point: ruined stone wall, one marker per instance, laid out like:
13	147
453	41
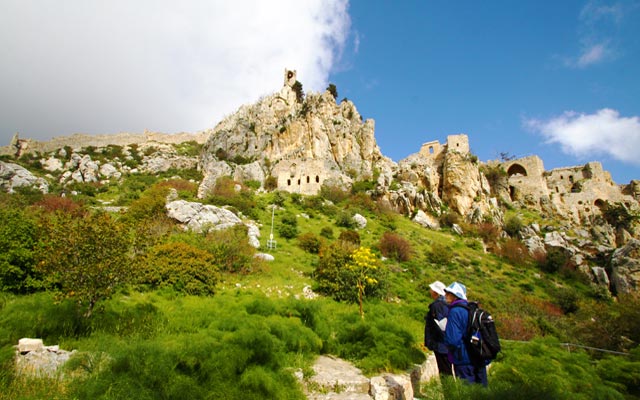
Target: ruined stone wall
459	143
431	149
304	177
78	141
526	180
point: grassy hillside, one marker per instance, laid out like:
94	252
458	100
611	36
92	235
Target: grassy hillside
184	315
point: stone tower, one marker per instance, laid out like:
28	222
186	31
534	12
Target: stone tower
290	77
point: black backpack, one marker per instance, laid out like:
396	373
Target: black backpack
481	339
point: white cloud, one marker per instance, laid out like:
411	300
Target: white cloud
109	66
592	55
582	135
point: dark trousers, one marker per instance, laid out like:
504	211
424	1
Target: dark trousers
444	366
472	373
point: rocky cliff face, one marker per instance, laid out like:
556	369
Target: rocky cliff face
299	143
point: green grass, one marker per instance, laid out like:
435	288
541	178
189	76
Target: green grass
245	341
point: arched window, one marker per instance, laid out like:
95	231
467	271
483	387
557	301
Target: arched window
516	169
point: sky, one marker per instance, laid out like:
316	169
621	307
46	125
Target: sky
556	79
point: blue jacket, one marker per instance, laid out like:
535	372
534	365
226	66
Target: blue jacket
433	335
457	321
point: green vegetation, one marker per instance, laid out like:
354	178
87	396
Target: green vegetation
158	312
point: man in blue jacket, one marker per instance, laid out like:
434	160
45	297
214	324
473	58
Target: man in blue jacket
433	333
455	336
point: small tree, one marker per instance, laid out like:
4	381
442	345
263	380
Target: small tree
297	87
85	258
333	90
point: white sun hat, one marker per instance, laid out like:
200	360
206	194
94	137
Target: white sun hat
437	287
457	289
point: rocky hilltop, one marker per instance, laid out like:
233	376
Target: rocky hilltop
299	143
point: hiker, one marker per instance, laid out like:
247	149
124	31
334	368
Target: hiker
433	332
455	336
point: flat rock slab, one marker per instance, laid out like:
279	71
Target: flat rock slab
340	378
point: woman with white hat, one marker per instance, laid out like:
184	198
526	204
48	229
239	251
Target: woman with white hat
435	319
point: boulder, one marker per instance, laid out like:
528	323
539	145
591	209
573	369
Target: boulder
199	217
428	221
13	176
625	268
333	375
360	221
391	387
35	360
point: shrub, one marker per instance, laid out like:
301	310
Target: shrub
309	242
297	88
440	254
85	258
567	300
514	251
350	236
289	226
271	183
513	225
449	218
231	250
344	219
394	246
151	203
555	259
619	216
287	231
18	238
488	232
181	267
333	193
326	232
333	90
52	203
338	277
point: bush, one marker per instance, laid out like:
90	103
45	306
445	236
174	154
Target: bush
516	252
350	236
151	203
345	220
85	258
288	228
181	267
440	254
394	246
230	249
513	225
449	218
270	183
333	193
309	242
18	238
555	259
326	232
336	278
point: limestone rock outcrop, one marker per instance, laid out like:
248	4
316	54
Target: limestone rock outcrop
35	360
299	143
13	176
625	267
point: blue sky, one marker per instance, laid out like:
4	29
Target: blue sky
558	79
506	73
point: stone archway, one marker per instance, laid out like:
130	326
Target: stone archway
516	169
